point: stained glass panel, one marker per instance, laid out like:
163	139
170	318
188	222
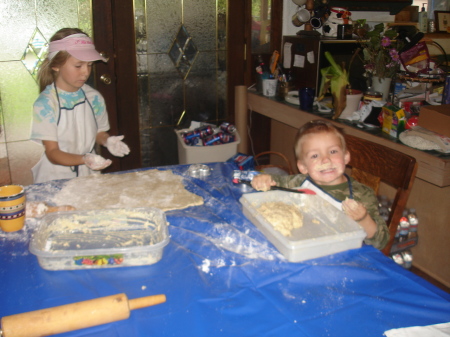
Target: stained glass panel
34	53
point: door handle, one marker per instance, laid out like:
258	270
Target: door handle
105	55
106	79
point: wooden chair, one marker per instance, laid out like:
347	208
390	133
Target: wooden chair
286	166
373	163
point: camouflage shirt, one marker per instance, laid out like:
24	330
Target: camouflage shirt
361	193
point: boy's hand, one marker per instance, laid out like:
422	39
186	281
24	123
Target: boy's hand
354	209
262	182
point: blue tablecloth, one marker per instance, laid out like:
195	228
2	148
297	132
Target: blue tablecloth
223	278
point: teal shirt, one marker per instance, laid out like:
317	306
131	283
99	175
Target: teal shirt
361	193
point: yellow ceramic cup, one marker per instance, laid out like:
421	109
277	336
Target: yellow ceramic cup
12	208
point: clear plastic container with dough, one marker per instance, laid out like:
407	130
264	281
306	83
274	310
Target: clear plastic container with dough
323	230
116	237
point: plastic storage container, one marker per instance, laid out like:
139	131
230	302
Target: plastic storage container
100	238
326	230
205	154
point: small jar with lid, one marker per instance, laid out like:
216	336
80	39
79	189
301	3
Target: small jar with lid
370	96
431	26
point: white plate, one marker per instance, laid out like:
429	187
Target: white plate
322	109
370	126
292	97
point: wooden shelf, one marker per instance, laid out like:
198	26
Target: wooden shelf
403	23
434	169
438	35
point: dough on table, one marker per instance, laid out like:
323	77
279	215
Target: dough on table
151	188
282	216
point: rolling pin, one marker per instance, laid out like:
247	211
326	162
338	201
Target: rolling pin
74	316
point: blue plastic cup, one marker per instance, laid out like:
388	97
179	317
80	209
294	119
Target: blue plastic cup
306	98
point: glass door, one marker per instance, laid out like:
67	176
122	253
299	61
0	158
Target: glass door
181	49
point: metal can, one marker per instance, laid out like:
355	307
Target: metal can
192	141
205	131
407	259
189	135
227	127
200	132
225	137
212	140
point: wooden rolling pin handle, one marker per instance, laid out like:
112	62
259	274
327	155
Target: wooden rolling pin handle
142	302
79	315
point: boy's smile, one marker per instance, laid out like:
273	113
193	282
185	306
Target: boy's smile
323	158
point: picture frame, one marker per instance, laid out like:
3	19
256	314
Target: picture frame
442	19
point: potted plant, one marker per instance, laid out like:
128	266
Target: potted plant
336	78
380	56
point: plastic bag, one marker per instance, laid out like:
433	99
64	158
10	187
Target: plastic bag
416	59
424	139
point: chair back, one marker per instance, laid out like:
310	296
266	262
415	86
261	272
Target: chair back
372	163
285	166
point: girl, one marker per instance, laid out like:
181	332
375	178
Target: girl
69	116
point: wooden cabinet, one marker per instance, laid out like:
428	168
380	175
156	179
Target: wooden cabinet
391	6
307	57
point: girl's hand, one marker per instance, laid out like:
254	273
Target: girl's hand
354	209
116	147
262	182
96	162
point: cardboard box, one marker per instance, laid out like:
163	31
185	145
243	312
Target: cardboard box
408	14
393	120
435	118
242	162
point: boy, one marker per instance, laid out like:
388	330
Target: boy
321	158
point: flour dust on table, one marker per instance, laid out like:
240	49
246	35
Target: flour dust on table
152	188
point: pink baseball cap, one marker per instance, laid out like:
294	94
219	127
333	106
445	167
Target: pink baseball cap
79	46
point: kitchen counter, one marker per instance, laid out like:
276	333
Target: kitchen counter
222	277
430	193
433	166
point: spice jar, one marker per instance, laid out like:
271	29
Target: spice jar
431	26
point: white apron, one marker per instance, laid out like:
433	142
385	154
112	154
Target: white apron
77	130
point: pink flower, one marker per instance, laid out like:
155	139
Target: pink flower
386	42
394	55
